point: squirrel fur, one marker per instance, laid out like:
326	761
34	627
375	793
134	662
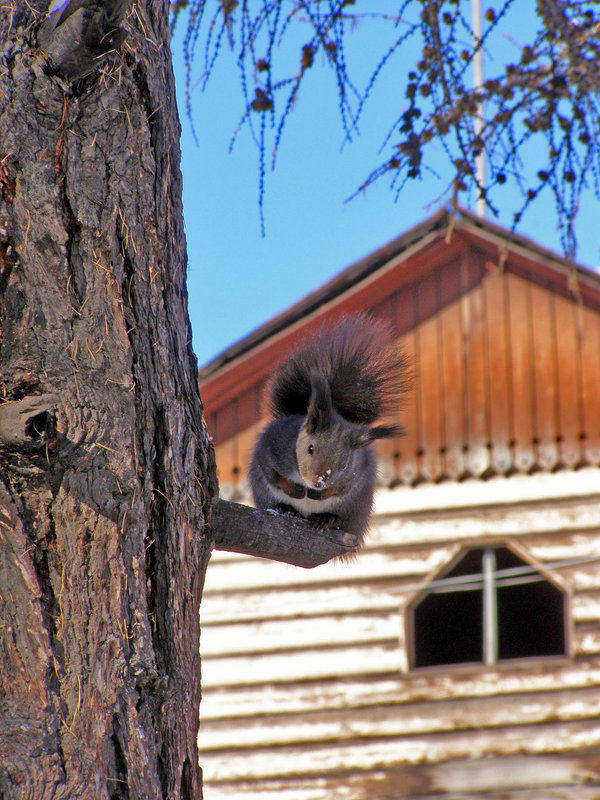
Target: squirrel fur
314	458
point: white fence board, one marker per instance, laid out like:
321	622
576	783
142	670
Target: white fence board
259	574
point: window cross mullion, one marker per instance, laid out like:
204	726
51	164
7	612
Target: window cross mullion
490	608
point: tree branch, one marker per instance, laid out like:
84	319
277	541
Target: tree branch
77	36
267	534
17	418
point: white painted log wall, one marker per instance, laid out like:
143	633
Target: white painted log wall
306	688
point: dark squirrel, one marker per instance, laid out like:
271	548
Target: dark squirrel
314	459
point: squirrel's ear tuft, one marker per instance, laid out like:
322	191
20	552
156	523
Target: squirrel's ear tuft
363	435
360	436
320	410
386	431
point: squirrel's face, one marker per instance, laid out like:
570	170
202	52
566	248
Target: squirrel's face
327	442
326	456
321	457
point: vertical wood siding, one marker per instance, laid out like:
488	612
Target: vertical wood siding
506	376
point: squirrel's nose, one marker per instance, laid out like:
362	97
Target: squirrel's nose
323	479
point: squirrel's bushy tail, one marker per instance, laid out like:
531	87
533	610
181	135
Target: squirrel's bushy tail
367	375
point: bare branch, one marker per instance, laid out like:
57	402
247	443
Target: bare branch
267	534
536	120
18	417
79	34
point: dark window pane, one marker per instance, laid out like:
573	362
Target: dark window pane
506	559
469	564
530	620
448	629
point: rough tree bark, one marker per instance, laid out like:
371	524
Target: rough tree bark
105	466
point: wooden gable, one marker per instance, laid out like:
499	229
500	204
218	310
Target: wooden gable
505	342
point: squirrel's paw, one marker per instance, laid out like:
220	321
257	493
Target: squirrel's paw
287	510
324	521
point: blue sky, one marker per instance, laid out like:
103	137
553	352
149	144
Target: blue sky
236	278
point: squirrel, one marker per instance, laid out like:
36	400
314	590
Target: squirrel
314	458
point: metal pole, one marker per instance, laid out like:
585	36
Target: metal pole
490	608
477	84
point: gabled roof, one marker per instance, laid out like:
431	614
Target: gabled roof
503	336
445	224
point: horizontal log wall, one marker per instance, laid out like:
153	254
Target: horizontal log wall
306	686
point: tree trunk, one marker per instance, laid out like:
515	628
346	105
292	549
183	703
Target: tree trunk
106	471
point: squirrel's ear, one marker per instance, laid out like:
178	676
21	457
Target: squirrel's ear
319	414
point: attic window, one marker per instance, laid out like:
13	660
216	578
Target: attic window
490	606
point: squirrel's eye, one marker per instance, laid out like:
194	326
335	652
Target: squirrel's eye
310	449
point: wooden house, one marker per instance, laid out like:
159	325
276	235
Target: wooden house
458	656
